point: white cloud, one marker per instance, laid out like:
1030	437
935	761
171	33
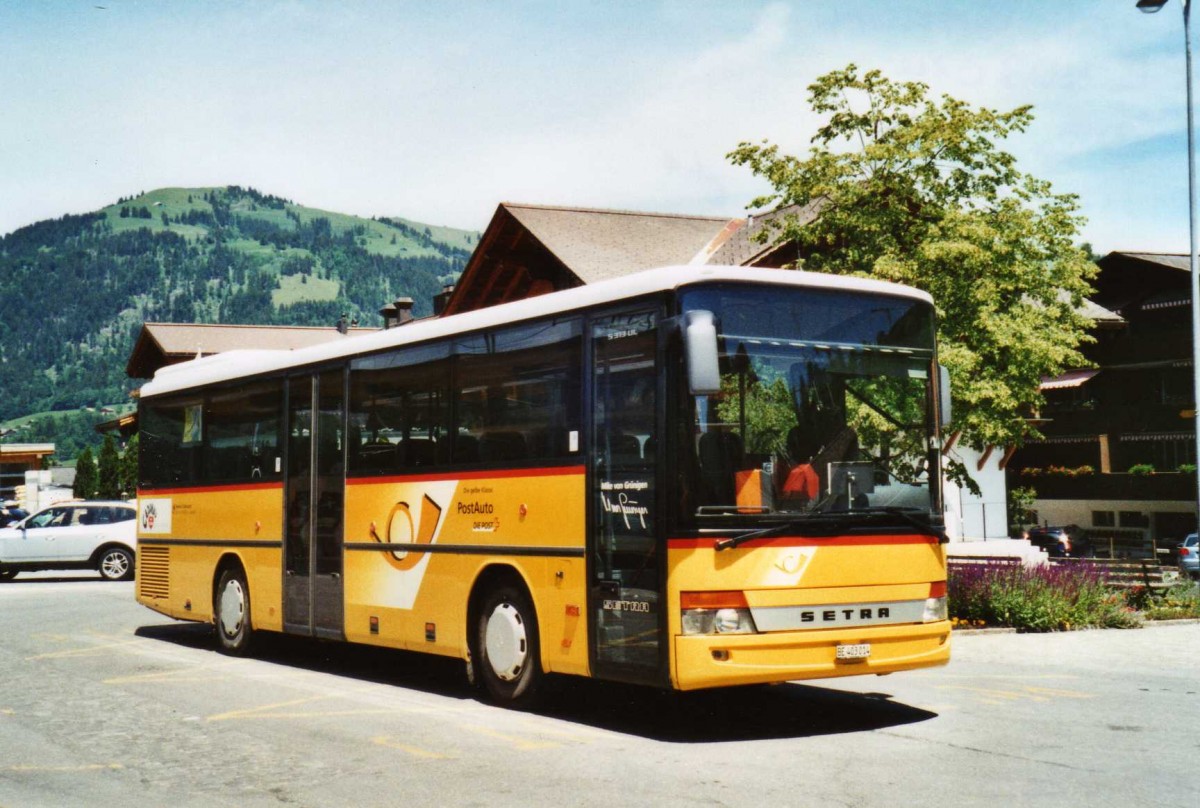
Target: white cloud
438	115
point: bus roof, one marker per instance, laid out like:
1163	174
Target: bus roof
238	364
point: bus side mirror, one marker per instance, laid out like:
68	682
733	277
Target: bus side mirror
700	347
944	390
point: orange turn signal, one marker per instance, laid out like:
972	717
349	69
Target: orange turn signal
713	600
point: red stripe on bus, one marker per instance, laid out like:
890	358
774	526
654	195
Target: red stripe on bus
150	493
805	541
551	471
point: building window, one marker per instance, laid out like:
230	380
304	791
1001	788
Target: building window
1134	519
1176	386
1103	519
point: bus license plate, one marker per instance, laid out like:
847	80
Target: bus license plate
848	652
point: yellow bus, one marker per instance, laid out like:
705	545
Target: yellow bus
690	477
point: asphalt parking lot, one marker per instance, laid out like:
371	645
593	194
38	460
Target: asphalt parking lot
103	702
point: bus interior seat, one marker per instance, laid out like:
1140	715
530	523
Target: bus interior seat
418	452
377	457
466	448
627	447
721	456
501	446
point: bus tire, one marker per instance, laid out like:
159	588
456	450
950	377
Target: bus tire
508	659
115	564
231	612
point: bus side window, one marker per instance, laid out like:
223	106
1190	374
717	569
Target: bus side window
399	412
518	395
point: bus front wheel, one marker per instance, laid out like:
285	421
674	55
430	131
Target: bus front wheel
508	659
231	612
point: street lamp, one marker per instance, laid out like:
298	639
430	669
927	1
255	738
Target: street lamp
1150	7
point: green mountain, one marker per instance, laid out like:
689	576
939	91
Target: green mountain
74	291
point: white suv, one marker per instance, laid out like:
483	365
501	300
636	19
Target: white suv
99	535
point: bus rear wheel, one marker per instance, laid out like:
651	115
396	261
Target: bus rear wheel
508	658
231	612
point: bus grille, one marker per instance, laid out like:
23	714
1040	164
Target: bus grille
153	577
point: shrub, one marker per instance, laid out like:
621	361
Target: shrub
1186	468
1178	602
1141	469
1042	598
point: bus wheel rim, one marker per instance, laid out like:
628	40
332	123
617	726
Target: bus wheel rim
232	608
506	642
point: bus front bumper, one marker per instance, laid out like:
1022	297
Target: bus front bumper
720	660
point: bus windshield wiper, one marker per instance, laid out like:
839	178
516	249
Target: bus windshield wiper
902	514
730	542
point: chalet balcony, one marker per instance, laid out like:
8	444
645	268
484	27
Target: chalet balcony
1159	487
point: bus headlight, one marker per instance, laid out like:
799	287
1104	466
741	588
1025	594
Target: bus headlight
697	621
733	621
936	608
716	613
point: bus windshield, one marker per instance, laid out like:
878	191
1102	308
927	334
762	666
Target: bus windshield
825	406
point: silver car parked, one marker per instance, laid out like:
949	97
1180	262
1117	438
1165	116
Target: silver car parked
1189	556
99	535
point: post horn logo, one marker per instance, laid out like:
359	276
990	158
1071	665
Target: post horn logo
401	530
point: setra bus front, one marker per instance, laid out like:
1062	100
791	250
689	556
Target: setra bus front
805	539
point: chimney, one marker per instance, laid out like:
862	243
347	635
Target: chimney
397	313
441	298
404	310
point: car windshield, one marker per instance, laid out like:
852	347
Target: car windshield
824	405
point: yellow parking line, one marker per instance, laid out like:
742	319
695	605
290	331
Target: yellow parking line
992	693
578	735
390	743
87	767
91	649
1029	692
276	711
524	744
1066	694
181	675
258	712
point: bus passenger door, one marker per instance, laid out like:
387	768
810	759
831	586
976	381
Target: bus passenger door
626	581
315	494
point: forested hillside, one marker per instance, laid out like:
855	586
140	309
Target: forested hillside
74	291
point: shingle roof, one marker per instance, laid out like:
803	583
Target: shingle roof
744	249
163	343
177	339
1172	260
601	244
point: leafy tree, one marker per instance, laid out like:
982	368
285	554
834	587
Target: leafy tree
1020	508
129	467
86	480
915	190
108	471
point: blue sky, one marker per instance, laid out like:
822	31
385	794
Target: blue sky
438	111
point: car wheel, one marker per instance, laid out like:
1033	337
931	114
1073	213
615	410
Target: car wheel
509	661
116	564
231	612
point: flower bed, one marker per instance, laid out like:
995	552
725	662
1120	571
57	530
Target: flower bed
1042	598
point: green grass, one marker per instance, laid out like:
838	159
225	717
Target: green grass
294	290
377	239
172	201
